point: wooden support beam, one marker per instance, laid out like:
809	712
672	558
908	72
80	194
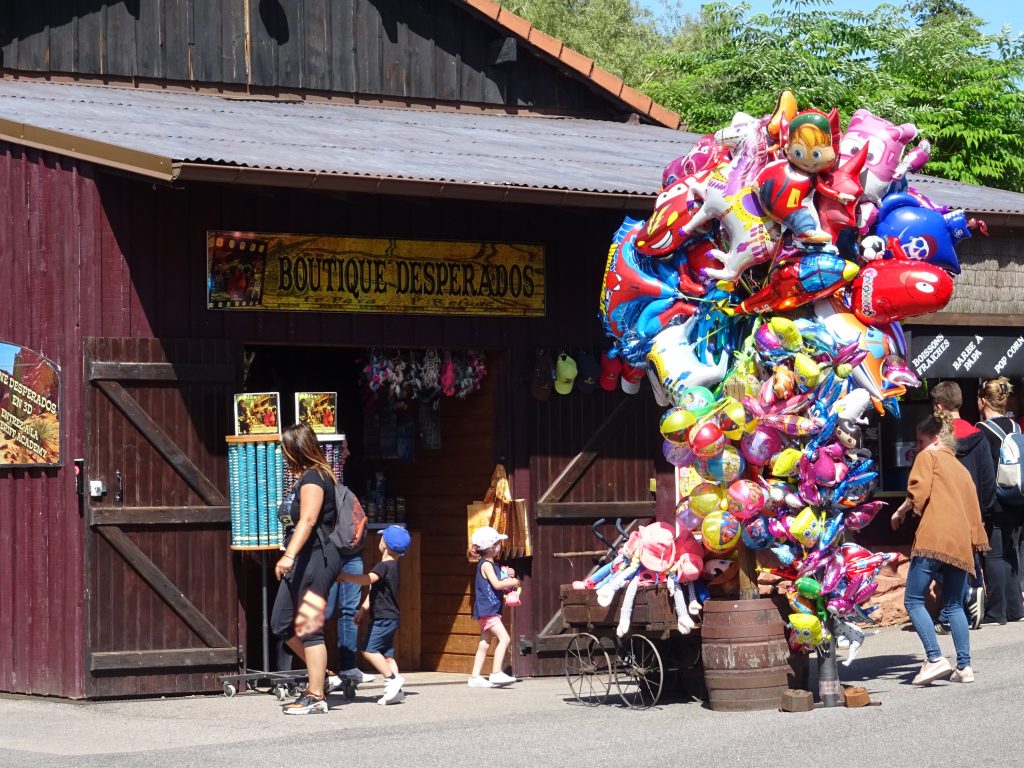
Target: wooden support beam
159	515
183	373
163	586
175	658
167	448
592	510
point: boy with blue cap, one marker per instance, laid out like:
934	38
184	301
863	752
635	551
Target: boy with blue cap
381	603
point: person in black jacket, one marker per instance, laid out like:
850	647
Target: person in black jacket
1002	569
973	452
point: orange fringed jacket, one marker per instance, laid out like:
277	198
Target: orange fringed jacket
943	495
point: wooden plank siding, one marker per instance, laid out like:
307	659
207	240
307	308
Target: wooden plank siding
108	256
422	50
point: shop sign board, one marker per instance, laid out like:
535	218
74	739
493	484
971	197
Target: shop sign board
29	408
957	353
309	273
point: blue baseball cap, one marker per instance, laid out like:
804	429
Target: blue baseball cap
397	539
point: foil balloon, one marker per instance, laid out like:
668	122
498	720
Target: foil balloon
786	463
676	365
746	499
924	233
860	517
663	233
807	630
756	534
723	468
706	440
805	527
705	498
799	280
760	445
677	455
893	289
720	531
676	423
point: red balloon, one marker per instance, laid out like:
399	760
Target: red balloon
893	289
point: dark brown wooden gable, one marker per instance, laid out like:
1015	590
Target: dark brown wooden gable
414	50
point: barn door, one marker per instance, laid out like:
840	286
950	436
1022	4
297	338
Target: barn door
161	600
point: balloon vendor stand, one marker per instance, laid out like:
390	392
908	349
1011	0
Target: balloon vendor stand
763	297
258	478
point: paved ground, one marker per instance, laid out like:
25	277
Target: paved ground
444	723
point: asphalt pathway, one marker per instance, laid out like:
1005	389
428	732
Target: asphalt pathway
535	723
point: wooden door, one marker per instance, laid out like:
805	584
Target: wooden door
161	593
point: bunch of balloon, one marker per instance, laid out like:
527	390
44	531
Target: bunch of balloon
764	296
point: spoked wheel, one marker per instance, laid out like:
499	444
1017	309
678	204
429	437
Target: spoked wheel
639	673
588	668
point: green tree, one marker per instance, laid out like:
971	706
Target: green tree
961	87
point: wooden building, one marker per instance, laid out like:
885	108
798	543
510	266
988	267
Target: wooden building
131	130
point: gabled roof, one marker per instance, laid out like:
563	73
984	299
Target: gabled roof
576	62
181	137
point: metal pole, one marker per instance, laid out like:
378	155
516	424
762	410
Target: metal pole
829	689
266	619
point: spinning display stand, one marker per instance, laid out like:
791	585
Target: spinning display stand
258	479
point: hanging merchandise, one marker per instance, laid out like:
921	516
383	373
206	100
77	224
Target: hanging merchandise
427	376
764	296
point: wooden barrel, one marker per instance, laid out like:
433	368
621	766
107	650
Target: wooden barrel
746	657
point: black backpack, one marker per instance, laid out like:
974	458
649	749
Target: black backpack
349	528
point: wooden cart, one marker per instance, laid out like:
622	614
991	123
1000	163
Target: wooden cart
637	665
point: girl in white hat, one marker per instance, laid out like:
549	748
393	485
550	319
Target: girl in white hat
487	602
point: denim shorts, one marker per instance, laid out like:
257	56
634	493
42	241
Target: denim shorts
382	637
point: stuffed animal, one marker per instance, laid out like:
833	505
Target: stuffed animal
512	597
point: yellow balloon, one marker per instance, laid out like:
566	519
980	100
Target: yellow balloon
720	531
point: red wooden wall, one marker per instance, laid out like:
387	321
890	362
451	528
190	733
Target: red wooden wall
95	254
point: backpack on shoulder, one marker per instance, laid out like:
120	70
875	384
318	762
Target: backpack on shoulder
1009	479
349	529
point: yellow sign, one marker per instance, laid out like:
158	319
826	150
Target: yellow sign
305	273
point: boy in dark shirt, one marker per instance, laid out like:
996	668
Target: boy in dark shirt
382	604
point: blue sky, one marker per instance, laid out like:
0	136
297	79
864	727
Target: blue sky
995	12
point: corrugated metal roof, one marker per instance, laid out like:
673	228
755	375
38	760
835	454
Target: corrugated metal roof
540	153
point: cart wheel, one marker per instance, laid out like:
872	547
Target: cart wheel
280	692
229	690
349	691
638	672
588	669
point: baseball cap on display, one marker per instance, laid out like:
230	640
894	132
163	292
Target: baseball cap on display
631	378
543	375
397	539
565	374
486	537
611	367
589	372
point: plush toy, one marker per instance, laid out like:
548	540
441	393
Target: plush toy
512	596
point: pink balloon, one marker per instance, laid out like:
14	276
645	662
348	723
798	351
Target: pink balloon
677	455
760	445
746	499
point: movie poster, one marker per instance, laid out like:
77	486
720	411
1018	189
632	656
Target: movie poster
319	410
29	408
258	413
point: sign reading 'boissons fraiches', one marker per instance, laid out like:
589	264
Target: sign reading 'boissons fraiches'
29	408
249	270
980	355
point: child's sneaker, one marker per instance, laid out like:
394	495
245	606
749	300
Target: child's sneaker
500	679
932	671
332	683
394	683
306	705
391	696
480	682
965	675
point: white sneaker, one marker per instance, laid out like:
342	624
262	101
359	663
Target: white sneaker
356	676
394	684
932	671
332	683
500	679
480	682
392	697
965	675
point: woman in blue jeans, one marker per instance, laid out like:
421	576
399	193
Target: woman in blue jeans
941	492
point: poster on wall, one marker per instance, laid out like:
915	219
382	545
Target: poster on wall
310	273
29	408
258	413
319	410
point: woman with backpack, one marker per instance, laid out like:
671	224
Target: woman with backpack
310	563
1002	569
